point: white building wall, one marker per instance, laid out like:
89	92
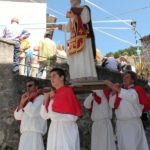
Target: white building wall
32	17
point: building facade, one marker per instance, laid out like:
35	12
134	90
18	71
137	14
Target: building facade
31	13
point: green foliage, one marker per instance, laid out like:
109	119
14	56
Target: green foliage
109	54
128	51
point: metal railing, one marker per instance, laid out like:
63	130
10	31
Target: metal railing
30	66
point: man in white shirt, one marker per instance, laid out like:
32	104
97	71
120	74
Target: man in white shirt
112	64
32	127
16	33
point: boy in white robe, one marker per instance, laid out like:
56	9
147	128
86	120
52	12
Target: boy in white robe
63	108
32	126
128	110
102	133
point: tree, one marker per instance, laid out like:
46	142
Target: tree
128	51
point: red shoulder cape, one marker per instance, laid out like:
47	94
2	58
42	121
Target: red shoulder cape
143	98
66	102
98	98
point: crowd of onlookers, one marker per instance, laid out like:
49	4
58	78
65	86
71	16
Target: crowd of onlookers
35	60
31	60
120	65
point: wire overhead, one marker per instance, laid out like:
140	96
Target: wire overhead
115	37
113	28
64	22
129	11
57	12
107	12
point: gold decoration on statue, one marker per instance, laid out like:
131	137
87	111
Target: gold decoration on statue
78	34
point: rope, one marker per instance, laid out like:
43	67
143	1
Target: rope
130	11
57	12
115	37
42	56
112	28
107	12
64	22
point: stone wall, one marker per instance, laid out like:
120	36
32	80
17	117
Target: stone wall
146	48
8	127
11	87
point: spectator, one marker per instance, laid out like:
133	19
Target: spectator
28	60
111	63
98	56
61	51
104	61
24	46
125	66
32	126
16	33
34	63
47	49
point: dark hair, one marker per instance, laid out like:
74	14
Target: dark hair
34	81
132	74
60	72
47	35
15	19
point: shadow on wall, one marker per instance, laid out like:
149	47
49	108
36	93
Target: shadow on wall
11	88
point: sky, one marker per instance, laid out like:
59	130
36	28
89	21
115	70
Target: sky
138	10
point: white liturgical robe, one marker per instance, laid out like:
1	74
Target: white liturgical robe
63	132
82	64
130	132
102	133
32	126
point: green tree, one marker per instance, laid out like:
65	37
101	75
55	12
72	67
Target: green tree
128	51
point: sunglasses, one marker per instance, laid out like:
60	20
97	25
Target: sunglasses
30	85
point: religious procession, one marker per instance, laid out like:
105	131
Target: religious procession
67	96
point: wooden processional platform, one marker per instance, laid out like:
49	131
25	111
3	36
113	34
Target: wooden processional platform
82	87
87	86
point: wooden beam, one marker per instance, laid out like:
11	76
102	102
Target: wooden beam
87	87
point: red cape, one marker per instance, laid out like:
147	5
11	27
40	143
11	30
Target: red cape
66	102
31	100
98	98
144	100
